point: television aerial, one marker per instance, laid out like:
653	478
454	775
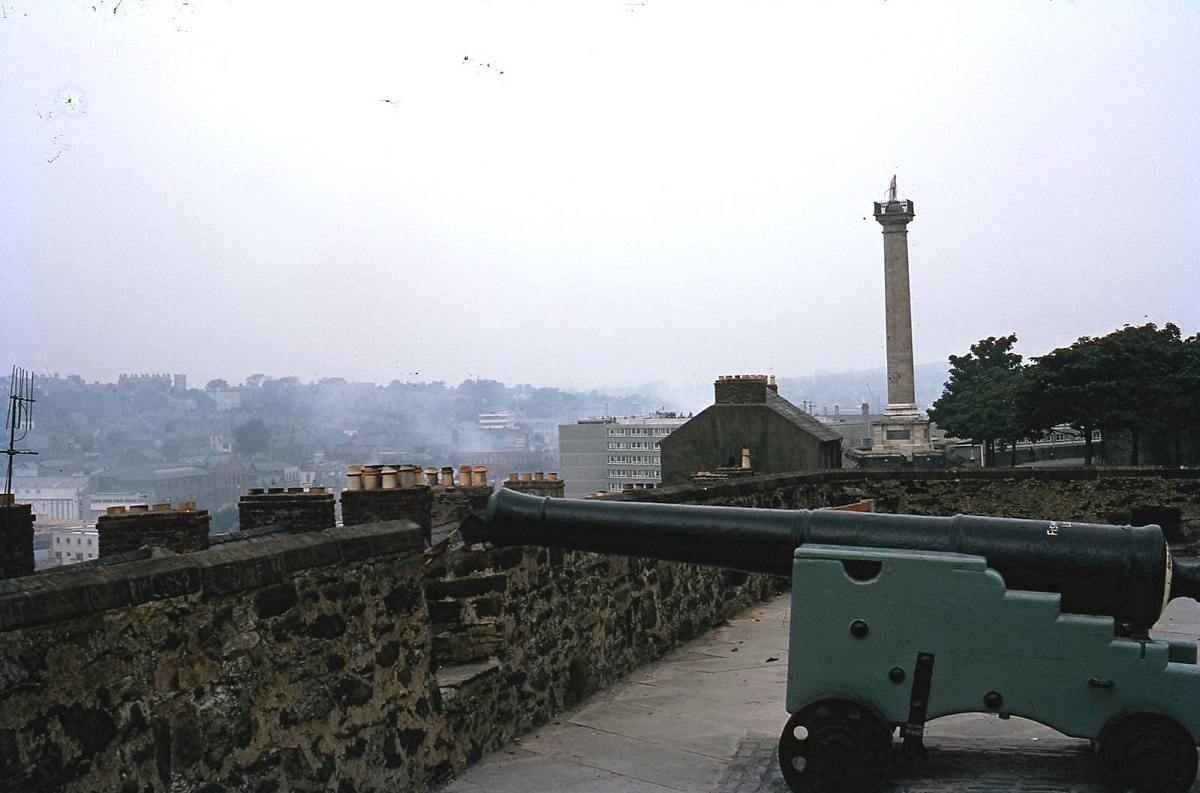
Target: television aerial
19	420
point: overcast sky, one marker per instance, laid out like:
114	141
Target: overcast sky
582	193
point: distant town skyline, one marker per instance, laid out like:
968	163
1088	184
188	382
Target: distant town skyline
818	393
585	194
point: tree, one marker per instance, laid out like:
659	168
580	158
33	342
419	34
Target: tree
1134	366
1182	411
1125	381
216	385
1060	389
253	437
980	400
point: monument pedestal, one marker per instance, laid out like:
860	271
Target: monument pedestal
901	434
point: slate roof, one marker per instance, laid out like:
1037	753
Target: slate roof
800	418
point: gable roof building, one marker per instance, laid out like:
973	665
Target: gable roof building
751	428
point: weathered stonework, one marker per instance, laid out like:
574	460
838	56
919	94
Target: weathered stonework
261	666
1169	497
349	660
340	660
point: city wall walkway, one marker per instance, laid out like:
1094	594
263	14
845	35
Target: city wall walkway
706	719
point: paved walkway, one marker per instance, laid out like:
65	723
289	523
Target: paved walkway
707	718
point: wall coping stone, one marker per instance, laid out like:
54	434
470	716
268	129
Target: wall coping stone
231	567
383	538
766	482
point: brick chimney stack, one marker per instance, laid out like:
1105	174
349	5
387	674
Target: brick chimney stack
742	389
183	529
16	538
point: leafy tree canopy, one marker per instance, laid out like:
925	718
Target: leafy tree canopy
981	397
253	437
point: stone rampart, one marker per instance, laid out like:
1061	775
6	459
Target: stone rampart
1166	496
353	659
347	659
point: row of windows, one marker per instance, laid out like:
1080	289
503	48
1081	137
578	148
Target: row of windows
633	445
78	541
635	473
654	431
634	458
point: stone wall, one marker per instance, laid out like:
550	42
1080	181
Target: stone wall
341	660
352	659
1169	497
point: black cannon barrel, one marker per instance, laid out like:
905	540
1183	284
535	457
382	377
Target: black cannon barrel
1125	572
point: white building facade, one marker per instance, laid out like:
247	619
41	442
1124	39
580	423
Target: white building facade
74	544
611	454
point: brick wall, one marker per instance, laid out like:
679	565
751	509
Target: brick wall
452	504
182	530
16	540
537	484
741	389
294	509
397	503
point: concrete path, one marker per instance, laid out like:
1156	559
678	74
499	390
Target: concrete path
707	718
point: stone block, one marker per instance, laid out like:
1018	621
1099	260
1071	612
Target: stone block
162	578
239	567
466	587
374	540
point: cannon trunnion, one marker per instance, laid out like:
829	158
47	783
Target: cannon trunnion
900	619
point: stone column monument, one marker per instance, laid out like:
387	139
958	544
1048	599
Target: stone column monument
902	429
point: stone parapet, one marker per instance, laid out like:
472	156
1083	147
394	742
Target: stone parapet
347	659
16	540
1169	497
296	509
183	529
84	590
209	669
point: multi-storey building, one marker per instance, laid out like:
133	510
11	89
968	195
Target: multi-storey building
607	455
74	544
54	499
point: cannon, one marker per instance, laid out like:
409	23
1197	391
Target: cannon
900	619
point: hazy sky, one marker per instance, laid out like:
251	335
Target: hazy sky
579	193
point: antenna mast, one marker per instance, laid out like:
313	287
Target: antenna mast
20	419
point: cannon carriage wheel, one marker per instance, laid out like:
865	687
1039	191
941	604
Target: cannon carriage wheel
836	746
1147	753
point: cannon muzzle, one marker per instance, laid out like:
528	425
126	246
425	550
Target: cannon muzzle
1125	572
